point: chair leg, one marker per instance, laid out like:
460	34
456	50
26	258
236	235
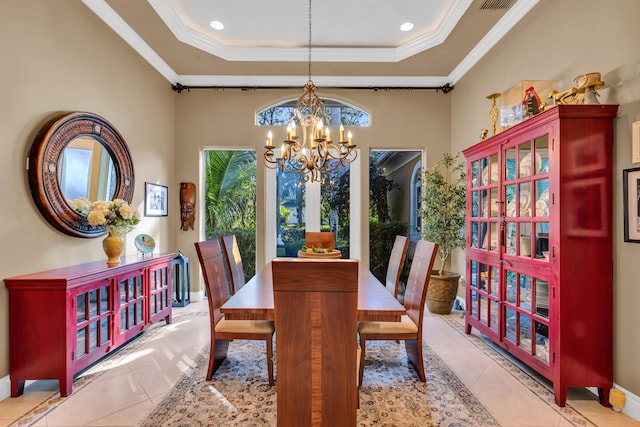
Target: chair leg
217	354
270	359
414	355
361	368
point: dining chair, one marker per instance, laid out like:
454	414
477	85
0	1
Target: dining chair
222	331
396	262
316	315
320	239
233	261
409	329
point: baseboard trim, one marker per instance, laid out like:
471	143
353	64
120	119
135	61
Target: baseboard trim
632	405
5	387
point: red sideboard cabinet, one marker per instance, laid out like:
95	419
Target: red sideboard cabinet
63	320
540	244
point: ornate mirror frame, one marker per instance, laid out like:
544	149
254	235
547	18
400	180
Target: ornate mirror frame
44	161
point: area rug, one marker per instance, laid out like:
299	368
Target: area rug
391	394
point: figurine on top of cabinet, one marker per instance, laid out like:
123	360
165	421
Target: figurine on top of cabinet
576	95
531	103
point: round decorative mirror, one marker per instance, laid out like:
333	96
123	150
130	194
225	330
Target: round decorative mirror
76	158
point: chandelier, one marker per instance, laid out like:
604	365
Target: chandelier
312	154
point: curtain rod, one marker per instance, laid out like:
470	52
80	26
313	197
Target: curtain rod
446	88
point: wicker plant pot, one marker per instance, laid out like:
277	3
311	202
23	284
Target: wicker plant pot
442	292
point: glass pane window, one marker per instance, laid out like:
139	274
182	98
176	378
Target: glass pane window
81	342
494	236
510	326
542	298
474	306
525	239
542	198
525	162
104	299
493	315
542	240
525	292
510	231
474	173
494	280
510	283
334	206
81	313
542	341
510	164
495	170
525	332
524	190
229	186
510	196
93	303
542	154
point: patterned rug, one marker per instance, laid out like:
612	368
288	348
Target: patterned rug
391	394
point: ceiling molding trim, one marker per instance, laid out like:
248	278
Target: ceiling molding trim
117	24
319	81
437	37
502	27
184	32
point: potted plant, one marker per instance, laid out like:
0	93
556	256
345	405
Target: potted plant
443	222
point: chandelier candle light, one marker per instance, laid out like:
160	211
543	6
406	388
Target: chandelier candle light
314	154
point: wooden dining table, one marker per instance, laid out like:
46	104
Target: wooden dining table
254	301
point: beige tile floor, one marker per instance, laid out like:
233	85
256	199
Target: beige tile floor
124	394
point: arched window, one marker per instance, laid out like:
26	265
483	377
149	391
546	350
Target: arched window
338	112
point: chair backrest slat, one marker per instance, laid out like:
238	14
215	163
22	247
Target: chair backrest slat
416	293
396	262
215	278
233	261
320	239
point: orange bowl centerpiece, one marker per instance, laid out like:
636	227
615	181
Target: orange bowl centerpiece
319	253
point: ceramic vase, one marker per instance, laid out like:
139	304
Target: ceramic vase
113	246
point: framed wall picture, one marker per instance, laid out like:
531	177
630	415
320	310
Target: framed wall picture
631	185
635	142
156	199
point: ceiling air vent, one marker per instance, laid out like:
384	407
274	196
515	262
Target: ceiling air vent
496	4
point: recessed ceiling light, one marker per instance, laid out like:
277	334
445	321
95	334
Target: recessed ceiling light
407	26
216	25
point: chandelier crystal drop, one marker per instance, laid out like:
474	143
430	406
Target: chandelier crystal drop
312	154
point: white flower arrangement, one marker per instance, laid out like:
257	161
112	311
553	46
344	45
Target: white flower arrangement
117	215
80	205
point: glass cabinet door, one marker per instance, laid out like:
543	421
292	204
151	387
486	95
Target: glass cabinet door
485	294
131	300
526	193
159	290
485	203
94	310
527	313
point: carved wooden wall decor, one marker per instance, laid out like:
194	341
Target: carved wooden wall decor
187	205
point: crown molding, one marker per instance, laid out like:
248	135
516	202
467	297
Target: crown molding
186	33
117	24
504	25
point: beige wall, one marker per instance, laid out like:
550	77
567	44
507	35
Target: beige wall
57	56
208	118
559	40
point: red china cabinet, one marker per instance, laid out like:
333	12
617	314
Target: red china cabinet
539	248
